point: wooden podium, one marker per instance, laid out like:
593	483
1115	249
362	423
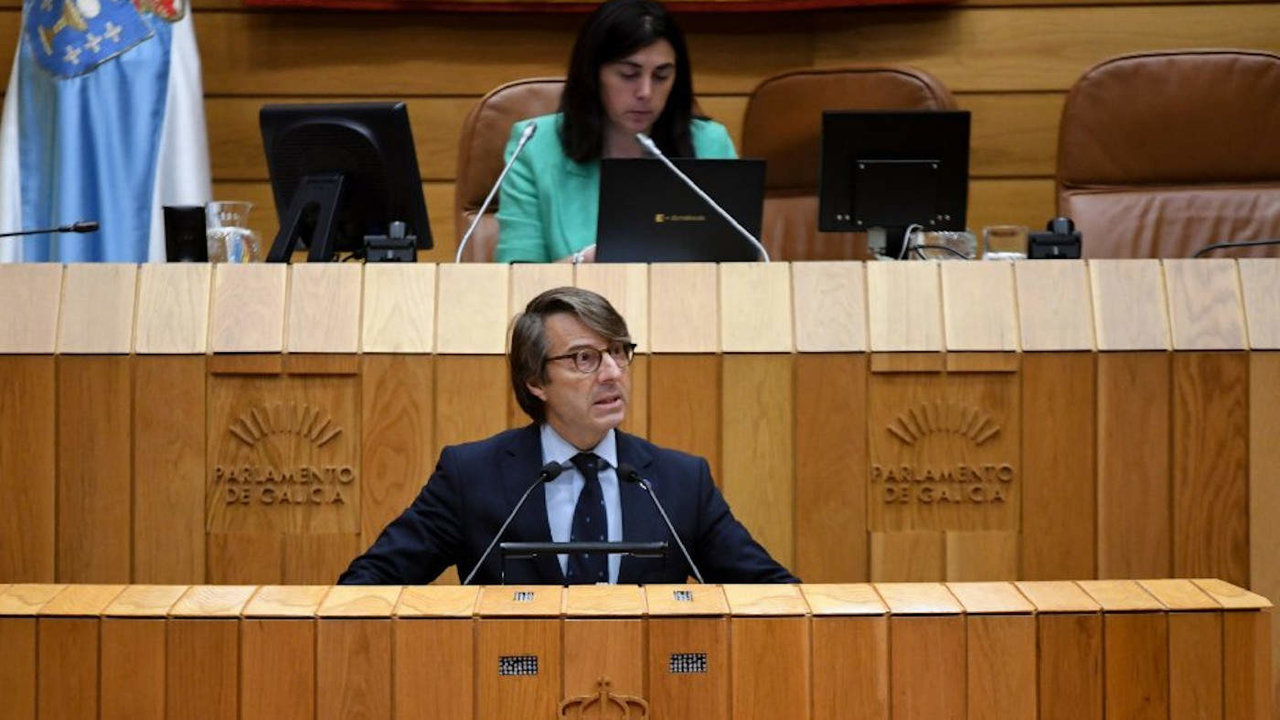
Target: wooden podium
1052	649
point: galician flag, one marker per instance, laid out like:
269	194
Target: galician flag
103	120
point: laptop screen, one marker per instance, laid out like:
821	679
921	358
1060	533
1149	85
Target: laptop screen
648	214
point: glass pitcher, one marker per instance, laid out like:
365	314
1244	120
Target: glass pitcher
228	233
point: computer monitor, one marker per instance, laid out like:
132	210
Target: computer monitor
342	173
893	169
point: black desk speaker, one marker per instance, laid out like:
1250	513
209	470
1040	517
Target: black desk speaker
184	234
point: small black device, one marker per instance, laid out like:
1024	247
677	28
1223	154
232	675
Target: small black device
185	234
893	169
648	214
1060	241
342	173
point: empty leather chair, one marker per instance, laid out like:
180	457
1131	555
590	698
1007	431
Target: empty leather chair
1161	153
484	136
783	125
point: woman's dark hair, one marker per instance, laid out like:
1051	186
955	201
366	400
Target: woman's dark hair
612	32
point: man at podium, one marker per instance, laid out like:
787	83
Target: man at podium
569	357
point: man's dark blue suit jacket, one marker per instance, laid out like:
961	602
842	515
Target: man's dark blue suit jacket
477	484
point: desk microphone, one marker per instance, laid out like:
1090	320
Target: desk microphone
79	226
652	148
549	472
630	474
529	129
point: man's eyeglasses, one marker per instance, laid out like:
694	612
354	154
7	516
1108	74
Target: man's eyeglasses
587	360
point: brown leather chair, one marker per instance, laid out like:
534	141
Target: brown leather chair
783	125
1161	153
484	136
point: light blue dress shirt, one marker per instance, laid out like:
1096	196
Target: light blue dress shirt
562	493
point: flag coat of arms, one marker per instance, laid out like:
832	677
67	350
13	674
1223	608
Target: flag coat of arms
103	120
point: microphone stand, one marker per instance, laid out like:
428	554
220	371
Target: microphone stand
630	474
529	129
549	472
81	226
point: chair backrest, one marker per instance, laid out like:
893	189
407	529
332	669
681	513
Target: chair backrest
783	125
1161	153
484	136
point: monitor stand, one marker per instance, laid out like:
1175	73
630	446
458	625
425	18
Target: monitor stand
311	214
886	242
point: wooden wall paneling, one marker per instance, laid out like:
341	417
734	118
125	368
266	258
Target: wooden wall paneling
248	308
1137	665
445	643
37	289
604	640
530	279
28	465
18	607
1069	645
830	467
173	308
758	450
1129	308
278	653
1001	661
637	418
966	63
1133	475
354	653
1205	306
979	555
203	653
979	309
1264	491
904	302
685	405
94	468
399	308
98	303
1249	683
907	556
678	690
471	398
1059	503
1011	201
318	558
771	653
850	652
626	287
232	558
133	669
1054	306
67	632
1195	648
924	653
830	300
1210	473
471	309
683	310
755	308
397	395
518	693
324	308
1014	134
169	457
1260	288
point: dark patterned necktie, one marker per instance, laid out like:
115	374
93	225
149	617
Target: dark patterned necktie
590	524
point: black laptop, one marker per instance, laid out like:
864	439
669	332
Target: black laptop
648	214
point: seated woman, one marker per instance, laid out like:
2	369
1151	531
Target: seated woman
629	73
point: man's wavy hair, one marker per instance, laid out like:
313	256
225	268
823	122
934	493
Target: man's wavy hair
528	353
615	30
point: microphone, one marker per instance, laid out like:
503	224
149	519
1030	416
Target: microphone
630	474
529	129
652	148
549	472
79	226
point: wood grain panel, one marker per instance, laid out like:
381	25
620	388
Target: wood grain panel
1070	666
445	646
980	555
324	308
1134	488
924	655
830	301
97	308
18	668
1260	286
471	309
1054	305
169	405
1013	134
1059	503
1001	657
248	308
530	279
530	695
94	469
399	308
397	422
133	669
37	289
770	667
1195	665
684	405
896	325
637	418
755	307
683	315
850	668
28	463
1011	201
1129	309
1205	307
1264	492
1249	685
830	467
626	287
277	669
471	398
1210	473
244	558
596	650
956	47
690	694
318	558
1137	665
173	308
978	307
67	668
353	669
202	662
907	556
759	480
